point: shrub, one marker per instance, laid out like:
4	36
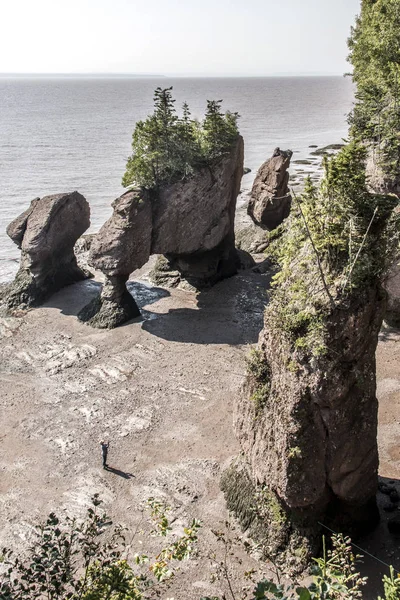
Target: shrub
89	560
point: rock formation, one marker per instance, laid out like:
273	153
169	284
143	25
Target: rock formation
309	435
378	180
307	417
191	222
46	233
270	199
392	286
122	245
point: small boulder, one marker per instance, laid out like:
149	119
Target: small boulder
46	234
270	199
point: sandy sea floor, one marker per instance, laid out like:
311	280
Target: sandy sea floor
162	390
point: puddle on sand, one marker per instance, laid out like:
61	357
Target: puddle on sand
145	294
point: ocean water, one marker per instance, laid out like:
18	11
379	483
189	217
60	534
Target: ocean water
65	134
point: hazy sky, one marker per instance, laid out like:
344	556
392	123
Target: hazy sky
175	37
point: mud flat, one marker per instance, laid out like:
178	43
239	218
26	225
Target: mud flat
161	389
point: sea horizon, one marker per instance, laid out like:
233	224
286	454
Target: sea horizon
91	75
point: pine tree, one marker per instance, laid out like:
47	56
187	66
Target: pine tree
219	130
375	55
166	118
167	148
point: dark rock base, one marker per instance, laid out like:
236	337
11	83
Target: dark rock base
107	314
27	291
199	270
290	537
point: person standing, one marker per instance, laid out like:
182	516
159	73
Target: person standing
104	450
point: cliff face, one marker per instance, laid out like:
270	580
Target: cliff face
307	417
309	434
197	214
320	419
381	182
191	222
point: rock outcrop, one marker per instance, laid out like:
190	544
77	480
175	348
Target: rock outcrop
191	222
309	434
270	199
121	246
307	418
46	234
392	286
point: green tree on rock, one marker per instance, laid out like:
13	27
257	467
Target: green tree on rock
219	130
167	148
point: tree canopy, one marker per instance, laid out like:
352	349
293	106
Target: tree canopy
375	55
167	147
341	237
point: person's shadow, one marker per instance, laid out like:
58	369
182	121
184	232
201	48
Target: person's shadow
119	473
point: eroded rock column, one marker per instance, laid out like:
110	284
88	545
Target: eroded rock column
270	199
194	220
46	234
308	431
120	247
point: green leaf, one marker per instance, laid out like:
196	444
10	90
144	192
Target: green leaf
267	586
303	593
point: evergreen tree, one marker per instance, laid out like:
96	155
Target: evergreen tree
219	130
375	55
167	148
188	146
166	119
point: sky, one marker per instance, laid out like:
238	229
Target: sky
176	37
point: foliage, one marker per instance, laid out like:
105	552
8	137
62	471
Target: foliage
89	560
167	148
258	367
269	509
375	55
339	238
391	586
334	577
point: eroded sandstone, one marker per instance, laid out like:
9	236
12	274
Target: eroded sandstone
121	246
270	200
46	234
310	437
191	222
